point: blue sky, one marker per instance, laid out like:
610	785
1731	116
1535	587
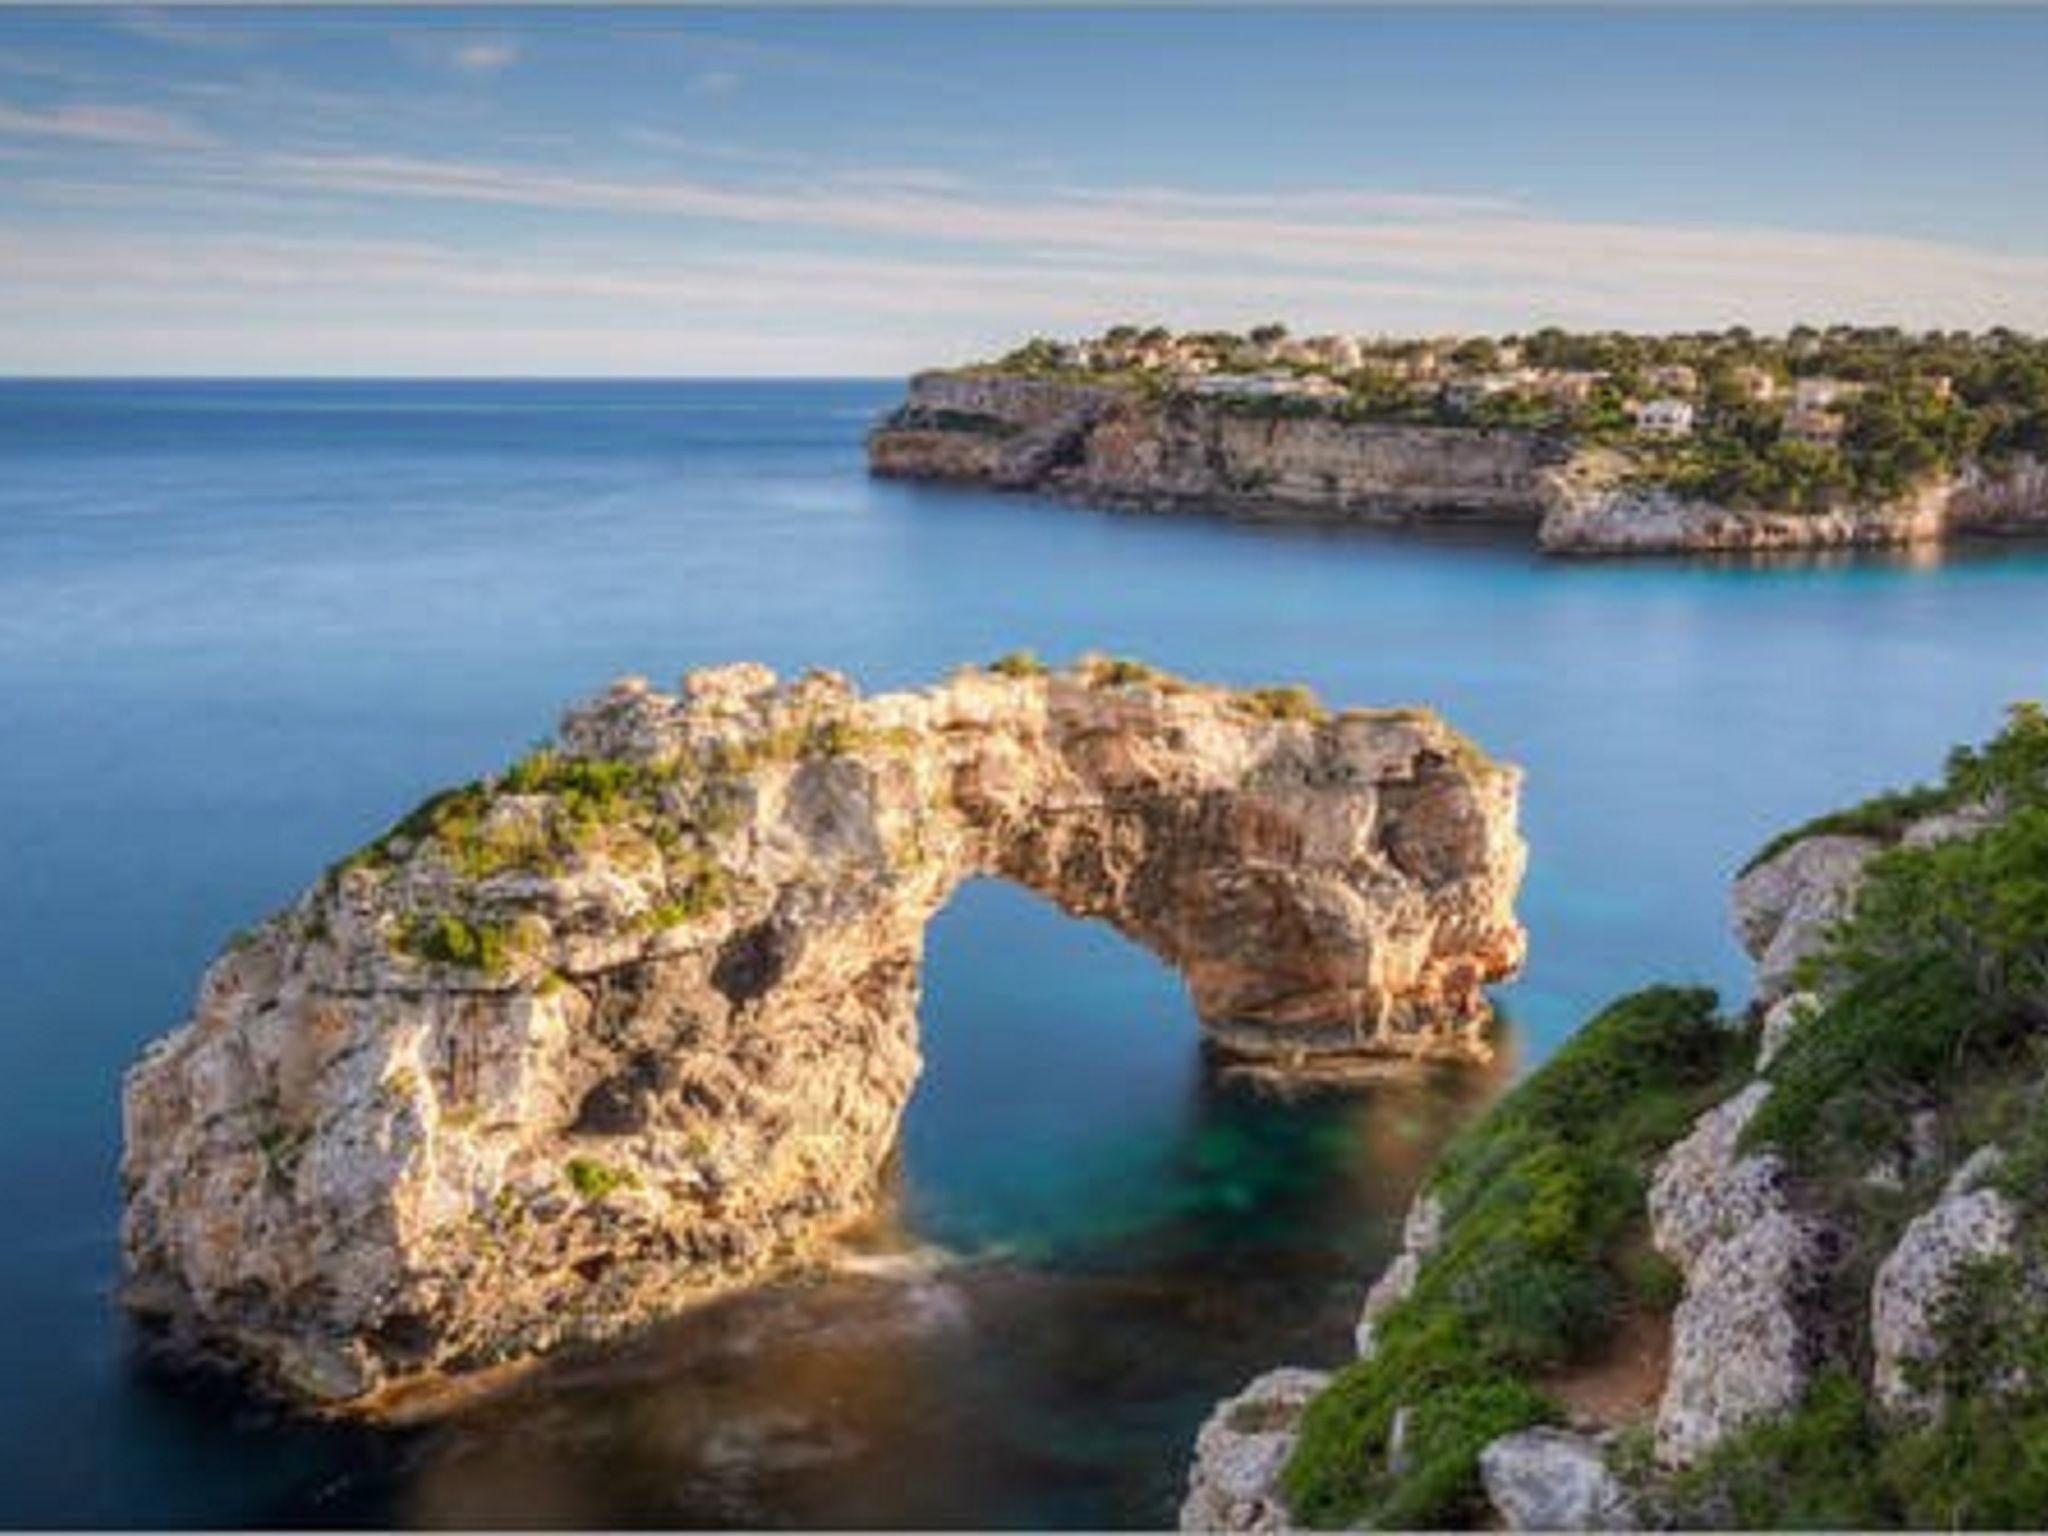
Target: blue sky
378	191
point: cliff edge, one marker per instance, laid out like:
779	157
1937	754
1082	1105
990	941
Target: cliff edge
1151	446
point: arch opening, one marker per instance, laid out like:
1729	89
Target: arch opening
636	1021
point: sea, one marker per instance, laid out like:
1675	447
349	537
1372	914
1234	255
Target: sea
244	625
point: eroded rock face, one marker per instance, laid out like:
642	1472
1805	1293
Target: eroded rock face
1586	514
1553	1480
637	1020
1421	1232
1234	1484
1746	1338
1167	450
1118	446
1781	1021
1785	905
1970	1223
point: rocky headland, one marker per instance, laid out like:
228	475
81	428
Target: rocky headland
1738	460
1132	448
1782	1268
634	1020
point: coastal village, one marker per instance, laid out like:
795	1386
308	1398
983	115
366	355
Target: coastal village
1511	381
1811	421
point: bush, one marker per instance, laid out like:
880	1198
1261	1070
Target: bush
1813	1469
1544	1230
445	939
1883	817
1290	702
594	1180
1940	973
1018	664
1119	672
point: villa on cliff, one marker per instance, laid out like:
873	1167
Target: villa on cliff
1665	417
1605	442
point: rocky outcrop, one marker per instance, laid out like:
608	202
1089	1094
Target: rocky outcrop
1234	1484
1781	1020
1595	515
1162	449
1421	1231
1785	905
1554	1480
1971	1223
1768	1324
1012	432
1745	1339
636	1019
2007	498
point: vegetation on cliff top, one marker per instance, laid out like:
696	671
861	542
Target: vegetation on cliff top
2009	768
1897	409
1544	1250
1929	1046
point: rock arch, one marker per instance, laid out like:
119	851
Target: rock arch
635	1020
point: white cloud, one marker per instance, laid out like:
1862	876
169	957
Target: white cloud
93	122
485	56
871	269
1282	244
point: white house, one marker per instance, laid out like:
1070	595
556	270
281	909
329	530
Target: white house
1341	353
1666	416
1813	414
1820	394
1267	386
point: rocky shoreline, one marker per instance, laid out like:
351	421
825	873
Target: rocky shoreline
635	1020
1156	451
1829	1221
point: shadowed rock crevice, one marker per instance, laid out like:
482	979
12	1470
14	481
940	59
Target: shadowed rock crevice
636	1020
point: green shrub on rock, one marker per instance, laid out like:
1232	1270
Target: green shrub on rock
1543	1228
1018	664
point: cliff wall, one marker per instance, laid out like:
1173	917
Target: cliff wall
1118	446
1122	446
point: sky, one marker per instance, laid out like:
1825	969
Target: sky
379	191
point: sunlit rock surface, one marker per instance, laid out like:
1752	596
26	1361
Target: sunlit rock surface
636	1020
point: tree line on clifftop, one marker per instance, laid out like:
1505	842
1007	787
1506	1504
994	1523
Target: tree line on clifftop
1897	409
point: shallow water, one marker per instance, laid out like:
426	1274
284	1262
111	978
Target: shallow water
242	626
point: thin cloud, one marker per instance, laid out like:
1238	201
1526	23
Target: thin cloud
98	123
713	82
799	290
692	146
1280	241
31	65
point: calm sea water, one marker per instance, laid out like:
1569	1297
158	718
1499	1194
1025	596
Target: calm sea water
243	625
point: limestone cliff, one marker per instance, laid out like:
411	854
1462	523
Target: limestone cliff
636	1019
1162	450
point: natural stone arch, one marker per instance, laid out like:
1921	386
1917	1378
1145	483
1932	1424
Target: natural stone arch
636	1020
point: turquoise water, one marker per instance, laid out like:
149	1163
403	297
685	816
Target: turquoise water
241	626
